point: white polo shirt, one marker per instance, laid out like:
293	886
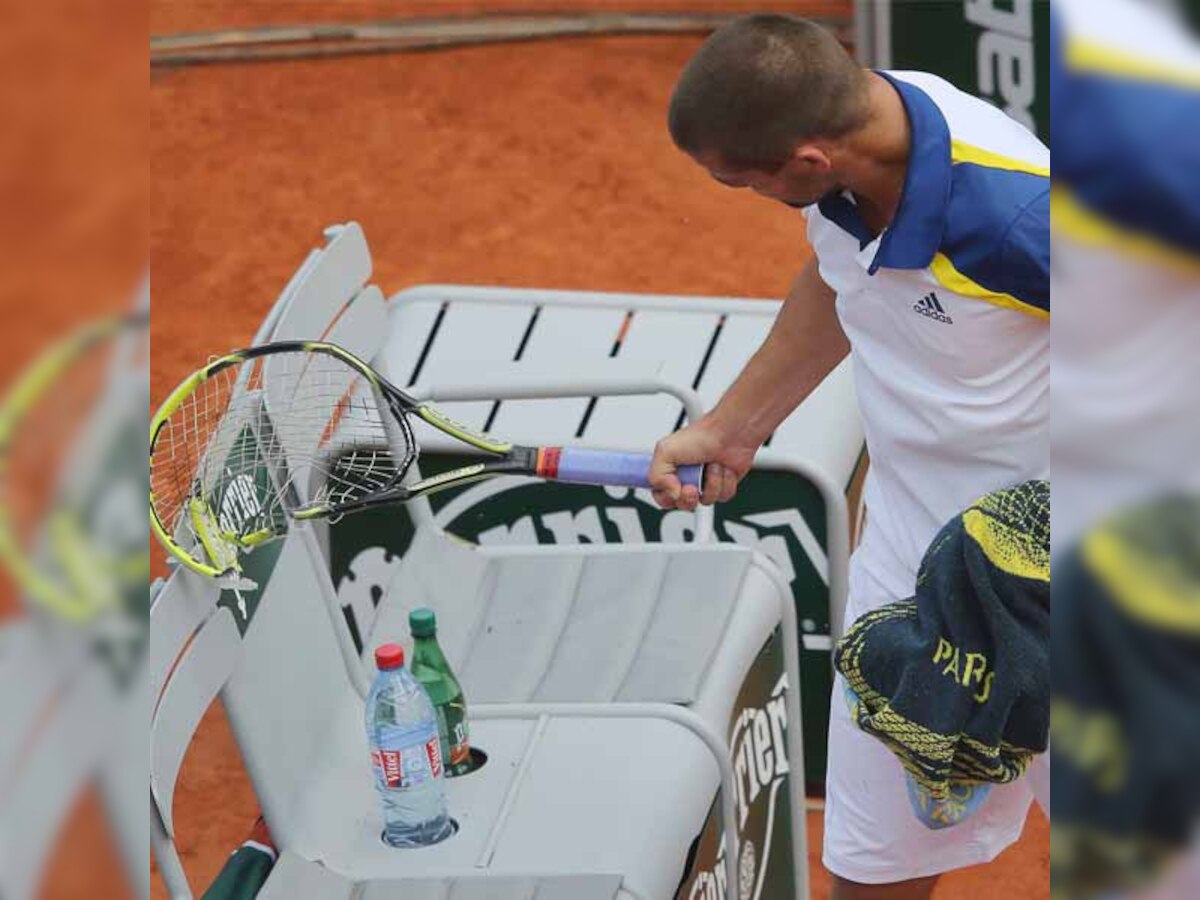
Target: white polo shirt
947	315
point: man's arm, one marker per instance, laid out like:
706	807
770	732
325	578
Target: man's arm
804	345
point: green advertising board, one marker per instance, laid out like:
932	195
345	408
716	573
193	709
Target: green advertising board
775	512
996	49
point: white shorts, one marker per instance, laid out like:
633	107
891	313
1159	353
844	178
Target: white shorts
872	835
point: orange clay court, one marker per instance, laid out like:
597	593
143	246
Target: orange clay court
543	164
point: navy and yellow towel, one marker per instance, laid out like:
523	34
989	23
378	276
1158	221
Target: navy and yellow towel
956	680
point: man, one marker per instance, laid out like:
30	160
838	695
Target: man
928	211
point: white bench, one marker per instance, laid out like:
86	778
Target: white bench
604	775
569	654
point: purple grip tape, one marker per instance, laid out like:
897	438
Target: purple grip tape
618	469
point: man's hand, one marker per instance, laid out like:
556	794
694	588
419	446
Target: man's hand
726	458
803	346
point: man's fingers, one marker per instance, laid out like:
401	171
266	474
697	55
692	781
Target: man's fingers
714	480
663	499
720	484
729	486
662	475
669	485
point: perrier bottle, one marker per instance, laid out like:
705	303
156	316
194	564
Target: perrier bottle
430	668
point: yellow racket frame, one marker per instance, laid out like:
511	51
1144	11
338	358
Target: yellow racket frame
222	547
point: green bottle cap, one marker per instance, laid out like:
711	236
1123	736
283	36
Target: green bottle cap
423	623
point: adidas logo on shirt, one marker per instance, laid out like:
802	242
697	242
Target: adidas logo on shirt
930	307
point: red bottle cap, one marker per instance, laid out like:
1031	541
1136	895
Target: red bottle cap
389	656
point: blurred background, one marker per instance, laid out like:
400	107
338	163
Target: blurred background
545	163
1125	95
73	228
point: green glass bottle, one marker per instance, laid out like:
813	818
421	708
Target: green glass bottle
430	667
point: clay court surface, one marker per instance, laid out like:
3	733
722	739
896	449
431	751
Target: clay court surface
534	165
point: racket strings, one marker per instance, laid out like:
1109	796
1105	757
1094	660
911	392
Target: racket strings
189	440
284	432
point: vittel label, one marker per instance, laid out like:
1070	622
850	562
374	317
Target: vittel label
407	757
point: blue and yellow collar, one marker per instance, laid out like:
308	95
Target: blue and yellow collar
912	239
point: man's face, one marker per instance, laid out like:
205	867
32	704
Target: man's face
802	181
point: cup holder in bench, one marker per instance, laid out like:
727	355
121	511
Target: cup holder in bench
474	763
454	828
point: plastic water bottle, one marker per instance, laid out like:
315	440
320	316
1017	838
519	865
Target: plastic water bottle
406	755
431	668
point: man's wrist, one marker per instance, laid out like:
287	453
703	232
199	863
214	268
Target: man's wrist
731	428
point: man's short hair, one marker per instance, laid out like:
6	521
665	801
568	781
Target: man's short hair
760	85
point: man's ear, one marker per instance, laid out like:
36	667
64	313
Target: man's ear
811	158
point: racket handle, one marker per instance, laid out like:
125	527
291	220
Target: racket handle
579	466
